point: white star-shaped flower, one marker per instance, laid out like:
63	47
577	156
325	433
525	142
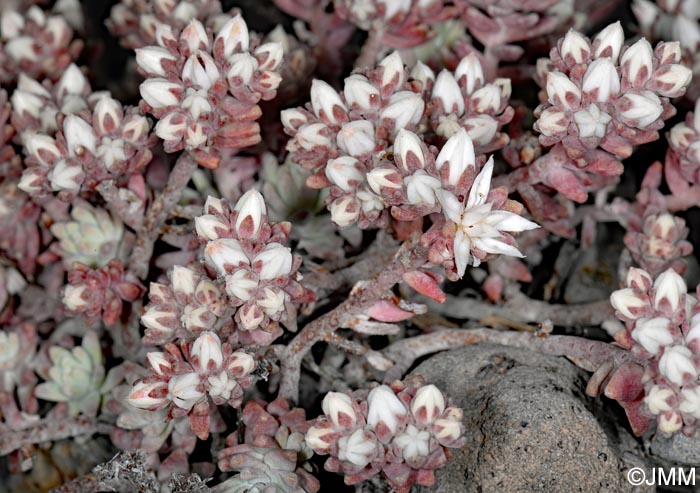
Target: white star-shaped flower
477	226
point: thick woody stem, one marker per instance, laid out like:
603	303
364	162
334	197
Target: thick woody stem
586	354
158	213
410	257
48	431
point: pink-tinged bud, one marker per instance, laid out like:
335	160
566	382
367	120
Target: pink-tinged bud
380	178
243	66
276	260
636	63
209	226
221	385
72	82
31	181
669	291
320	439
148	395
360	93
43	148
407	150
658	399
639	110
273	301
562	92
160	93
313	135
608	42
272	54
646	12
553	121
251	316
200	71
73	298
344	211
159	363
79	136
653	333
628	303
690	402
393	74
339	410
504	86
446	90
421	187
677	365
575	48
225	252
184	281
108	115
639	279
151	59
488	98
234	35
195	36
671	80
423	74
207	349
241	285
668	52
405	108
158	320
325	101
414	443
427	404
240	364
184	390
358	449
213	205
692	338
686	31
356	138
449	428
458	155
251	209
344	172
592	122
470	68
385	412
66	176
171	127
670	422
293	118
601	80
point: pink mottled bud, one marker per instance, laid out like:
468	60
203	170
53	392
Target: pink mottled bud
671	80
446	90
427	405
405	108
639	110
386	412
639	279
243	66
562	92
200	71
627	302
240	285
693	336
158	362
79	136
185	390
159	320
358	449
448	429
608	42
669	291
209	226
320	439
407	150
423	74
108	114
575	48
325	102
690	402
421	187
380	178
66	176
207	349
276	261
601	80
360	93
293	118
470	69
148	395
224	252
312	136
240	364
356	138
160	93
553	121
195	36
339	410
74	299
344	211
670	422
677	365
458	155
344	172
653	333
592	122
272	54
151	59
184	280
636	63
234	35
251	209
414	443
393	74
657	399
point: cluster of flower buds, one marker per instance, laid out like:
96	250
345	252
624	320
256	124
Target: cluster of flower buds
403	430
402	23
204	89
684	142
259	273
92	238
108	144
600	99
189	304
36	44
273	454
662	330
135	22
660	243
187	377
99	293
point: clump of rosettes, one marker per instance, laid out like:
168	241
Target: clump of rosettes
401	24
600	99
273	454
204	89
403	430
135	22
99	293
188	377
684	141
662	330
35	44
186	306
258	272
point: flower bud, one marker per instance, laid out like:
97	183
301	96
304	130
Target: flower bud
148	395
344	211
251	209
553	121
200	70
241	285
692	338
380	178
42	148
358	449
221	385
671	80
195	37
393	73
575	48
446	90
385	411
407	151
592	122
361	93
449	429
639	110
414	443
251	316
151	59
184	390
73	298
670	422
686	31
427	404
79	136
66	176
326	103
207	349
653	333
209	227
562	92
234	35
405	108
668	52
657	399
320	439
240	364
421	187
356	137
488	98
72	82
639	279
108	115
636	63
243	67
677	365
608	42
344	173
276	261
271	55
690	401
161	321
293	118
601	80
423	74
160	93
470	68
339	410
669	291
223	253
313	135
273	302
458	154
184	281
158	362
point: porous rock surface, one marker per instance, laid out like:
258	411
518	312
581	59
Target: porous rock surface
529	426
